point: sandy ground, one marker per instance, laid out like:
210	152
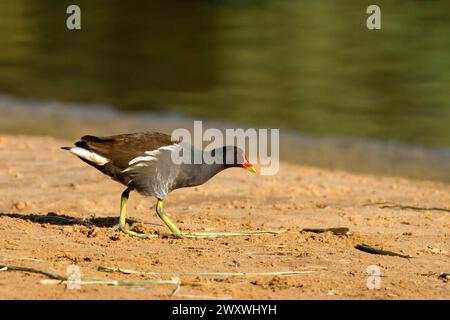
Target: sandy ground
56	209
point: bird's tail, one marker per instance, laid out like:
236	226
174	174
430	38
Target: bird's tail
86	154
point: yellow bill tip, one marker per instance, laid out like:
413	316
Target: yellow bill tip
250	168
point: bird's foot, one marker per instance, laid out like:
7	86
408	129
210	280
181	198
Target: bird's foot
208	235
129	232
188	235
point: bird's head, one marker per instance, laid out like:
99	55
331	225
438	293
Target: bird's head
235	157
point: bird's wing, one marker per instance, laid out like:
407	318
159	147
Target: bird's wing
121	149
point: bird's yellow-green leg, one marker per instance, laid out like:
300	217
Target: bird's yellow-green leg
160	211
178	234
123	218
123	208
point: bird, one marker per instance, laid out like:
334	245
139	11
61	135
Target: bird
143	162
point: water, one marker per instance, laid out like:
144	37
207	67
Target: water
309	66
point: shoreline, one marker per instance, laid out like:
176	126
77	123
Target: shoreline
71	121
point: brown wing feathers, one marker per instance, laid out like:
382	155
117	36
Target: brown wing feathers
121	149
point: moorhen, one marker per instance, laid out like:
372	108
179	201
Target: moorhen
143	162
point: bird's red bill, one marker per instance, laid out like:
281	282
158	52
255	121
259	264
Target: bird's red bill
247	166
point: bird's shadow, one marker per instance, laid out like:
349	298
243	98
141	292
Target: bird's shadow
64	220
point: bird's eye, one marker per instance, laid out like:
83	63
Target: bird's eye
213	153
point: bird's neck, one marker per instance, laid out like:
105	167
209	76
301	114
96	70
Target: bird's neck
199	174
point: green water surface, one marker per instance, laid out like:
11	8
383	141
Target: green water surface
311	66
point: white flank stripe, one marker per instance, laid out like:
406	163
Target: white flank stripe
89	155
142	158
140	164
169	148
150	156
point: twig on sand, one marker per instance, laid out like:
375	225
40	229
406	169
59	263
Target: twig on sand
372	250
20	258
33	270
211	274
336	231
116	282
57	279
392	205
267	245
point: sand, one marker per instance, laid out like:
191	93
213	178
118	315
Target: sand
57	209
